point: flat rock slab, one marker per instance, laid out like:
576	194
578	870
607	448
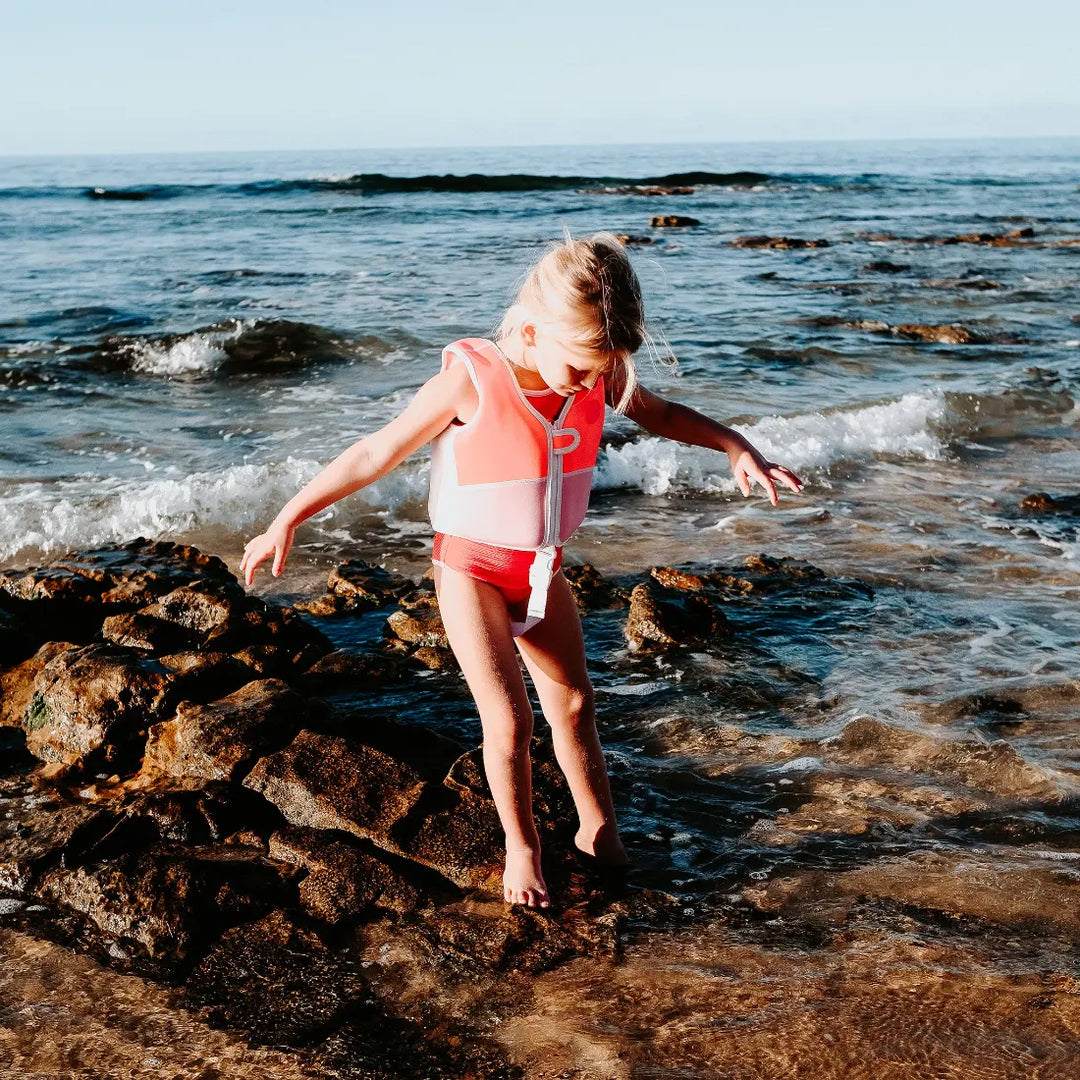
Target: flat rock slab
342	879
327	782
222	740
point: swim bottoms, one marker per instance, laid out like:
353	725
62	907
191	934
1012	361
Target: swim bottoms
505	568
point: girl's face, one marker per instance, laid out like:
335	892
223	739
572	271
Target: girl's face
564	368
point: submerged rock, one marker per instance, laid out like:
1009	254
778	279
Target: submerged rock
776	243
672	221
1041	503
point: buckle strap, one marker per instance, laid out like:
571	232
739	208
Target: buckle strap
540	574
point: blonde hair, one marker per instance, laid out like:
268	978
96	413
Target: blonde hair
587	291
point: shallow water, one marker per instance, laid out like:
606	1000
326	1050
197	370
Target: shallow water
869	798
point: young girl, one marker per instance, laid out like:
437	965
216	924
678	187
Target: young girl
516	424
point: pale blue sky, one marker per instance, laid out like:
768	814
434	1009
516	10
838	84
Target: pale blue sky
109	76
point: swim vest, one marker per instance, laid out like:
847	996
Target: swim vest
509	477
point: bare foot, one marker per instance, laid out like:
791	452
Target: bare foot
523	883
603	844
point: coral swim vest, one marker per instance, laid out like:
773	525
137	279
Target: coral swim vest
509	477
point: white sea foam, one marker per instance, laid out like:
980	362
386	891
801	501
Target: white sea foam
196	354
91	510
808	441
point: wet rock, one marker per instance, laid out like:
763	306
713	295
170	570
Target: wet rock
134	630
279	982
356	586
327	782
672	221
952	334
419	625
975	281
17	638
79	591
33	840
485	935
662	617
1042	898
459	833
1012	238
163	904
342	879
995	767
351	669
776	243
94	702
222	740
17	683
1041	503
201	676
628	239
591	590
883	266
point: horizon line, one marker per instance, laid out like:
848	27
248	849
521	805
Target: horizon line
5	155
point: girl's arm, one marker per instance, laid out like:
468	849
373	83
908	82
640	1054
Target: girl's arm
435	405
670	420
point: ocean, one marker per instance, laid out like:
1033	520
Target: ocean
186	340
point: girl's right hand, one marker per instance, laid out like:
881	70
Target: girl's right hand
276	541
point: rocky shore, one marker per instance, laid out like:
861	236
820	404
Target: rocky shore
195	791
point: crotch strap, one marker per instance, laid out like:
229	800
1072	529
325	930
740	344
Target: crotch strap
540	574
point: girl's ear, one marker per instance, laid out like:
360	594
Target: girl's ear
528	333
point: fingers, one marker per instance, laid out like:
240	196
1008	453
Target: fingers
745	478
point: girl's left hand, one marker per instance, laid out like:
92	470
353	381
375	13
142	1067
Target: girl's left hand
748	465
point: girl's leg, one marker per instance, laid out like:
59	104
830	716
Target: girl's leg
478	627
554	653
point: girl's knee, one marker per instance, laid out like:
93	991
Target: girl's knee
509	735
576	710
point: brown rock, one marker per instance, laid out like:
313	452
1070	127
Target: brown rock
776	243
628	239
326	782
222	740
995	767
17	683
591	590
350	669
94	700
672	578
31	841
162	904
883	266
661	617
1042	503
672	221
76	592
342	879
279	982
953	334
201	676
421	626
